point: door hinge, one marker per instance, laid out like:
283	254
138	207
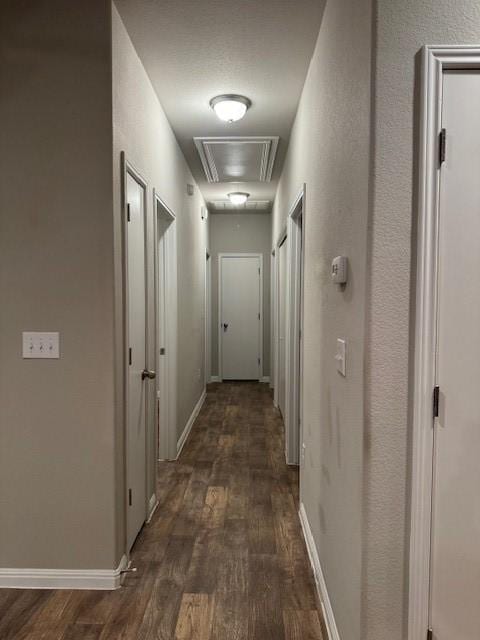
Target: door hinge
259	316
436	400
162	351
442	146
258	361
129	497
130	355
429	634
128	212
258	270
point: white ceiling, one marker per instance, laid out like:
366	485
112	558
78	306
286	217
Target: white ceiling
194	50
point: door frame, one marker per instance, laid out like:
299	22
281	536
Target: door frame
129	168
166	365
276	347
294	326
237	254
273	267
435	61
208	320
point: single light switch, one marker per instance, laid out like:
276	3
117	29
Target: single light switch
40	344
341	356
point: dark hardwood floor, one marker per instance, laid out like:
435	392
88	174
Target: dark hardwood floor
223	557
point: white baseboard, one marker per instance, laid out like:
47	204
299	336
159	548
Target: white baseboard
319	577
215	379
99	579
152	505
265	379
189	425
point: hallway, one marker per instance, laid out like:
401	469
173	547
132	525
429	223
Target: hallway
223	557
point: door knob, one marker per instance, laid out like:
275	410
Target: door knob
146	373
225	326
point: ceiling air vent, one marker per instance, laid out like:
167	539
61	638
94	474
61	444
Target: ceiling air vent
238	159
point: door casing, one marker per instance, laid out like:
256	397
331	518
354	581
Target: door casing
294	328
129	169
208	323
166	364
276	345
435	61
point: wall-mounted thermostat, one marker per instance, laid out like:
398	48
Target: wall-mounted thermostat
339	270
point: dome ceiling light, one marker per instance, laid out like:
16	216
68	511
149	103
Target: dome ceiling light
238	198
229	107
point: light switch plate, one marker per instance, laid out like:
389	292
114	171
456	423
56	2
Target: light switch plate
41	344
341	356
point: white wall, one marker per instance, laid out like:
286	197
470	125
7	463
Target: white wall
56	266
402	29
329	151
141	130
247	233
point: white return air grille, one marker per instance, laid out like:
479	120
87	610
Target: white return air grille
238	159
250	205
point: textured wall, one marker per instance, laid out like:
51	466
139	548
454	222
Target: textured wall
56	266
402	29
246	233
329	151
141	129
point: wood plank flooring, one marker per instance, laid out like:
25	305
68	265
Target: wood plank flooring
223	557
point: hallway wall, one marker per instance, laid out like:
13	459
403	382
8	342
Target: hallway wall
247	233
140	128
402	29
329	151
56	274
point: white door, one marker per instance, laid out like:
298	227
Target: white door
455	567
240	316
282	325
136	359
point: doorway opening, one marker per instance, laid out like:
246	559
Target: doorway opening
165	254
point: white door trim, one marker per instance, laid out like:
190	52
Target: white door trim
128	168
295	243
236	254
166	386
276	347
272	319
208	319
436	59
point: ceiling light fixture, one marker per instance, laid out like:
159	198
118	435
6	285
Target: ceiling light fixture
230	108
238	198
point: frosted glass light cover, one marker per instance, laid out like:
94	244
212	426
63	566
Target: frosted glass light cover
230	111
238	198
230	108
